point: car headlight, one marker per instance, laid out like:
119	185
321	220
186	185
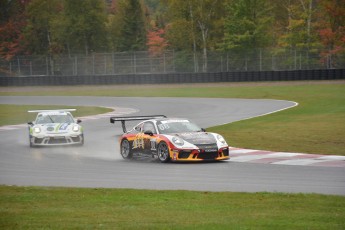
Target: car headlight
37	130
177	141
75	128
221	139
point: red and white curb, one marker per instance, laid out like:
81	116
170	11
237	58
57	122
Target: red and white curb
117	111
285	158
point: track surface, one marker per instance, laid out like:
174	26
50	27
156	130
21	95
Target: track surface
98	162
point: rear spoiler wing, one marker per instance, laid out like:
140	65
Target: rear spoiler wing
133	118
51	110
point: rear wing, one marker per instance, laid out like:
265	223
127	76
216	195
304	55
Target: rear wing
133	118
51	110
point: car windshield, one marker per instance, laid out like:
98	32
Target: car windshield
177	126
61	118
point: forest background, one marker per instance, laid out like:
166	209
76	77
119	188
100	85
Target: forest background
68	27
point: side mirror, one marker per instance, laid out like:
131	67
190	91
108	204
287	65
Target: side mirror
148	132
78	121
202	129
30	123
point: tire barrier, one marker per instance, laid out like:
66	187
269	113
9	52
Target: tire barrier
175	78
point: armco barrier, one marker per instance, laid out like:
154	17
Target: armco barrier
295	75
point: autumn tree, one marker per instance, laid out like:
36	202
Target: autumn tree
331	29
248	25
82	27
38	32
194	23
13	21
128	26
156	41
300	34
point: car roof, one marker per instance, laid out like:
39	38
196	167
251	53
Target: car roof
169	119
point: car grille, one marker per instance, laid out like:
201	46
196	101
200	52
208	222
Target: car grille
226	152
183	154
57	141
207	155
76	139
38	140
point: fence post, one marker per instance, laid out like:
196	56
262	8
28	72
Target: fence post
164	67
19	71
300	61
105	64
47	73
113	62
93	63
260	59
221	63
295	60
134	63
75	65
246	67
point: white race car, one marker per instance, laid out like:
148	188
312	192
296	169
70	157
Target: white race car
55	127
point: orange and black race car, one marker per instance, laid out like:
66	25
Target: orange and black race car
170	139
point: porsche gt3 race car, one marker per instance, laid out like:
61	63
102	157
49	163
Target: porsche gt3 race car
170	139
55	127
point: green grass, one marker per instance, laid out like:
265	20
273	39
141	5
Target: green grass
316	126
18	114
78	208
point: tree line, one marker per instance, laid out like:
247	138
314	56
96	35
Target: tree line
66	27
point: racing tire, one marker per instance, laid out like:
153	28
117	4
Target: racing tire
31	145
125	149
82	140
163	152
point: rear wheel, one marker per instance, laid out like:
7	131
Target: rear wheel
163	152
125	149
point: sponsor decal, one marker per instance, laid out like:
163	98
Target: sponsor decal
50	128
211	150
63	126
175	156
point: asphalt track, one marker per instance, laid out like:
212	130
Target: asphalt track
98	162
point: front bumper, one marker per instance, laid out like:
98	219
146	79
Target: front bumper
57	140
199	155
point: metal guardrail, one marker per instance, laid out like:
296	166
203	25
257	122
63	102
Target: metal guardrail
252	76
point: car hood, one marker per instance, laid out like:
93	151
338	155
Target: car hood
56	127
197	138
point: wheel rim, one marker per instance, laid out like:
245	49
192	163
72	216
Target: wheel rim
125	149
163	152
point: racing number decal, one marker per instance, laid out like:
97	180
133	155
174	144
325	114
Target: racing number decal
153	144
138	141
163	126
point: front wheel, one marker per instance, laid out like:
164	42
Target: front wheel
31	144
126	149
163	152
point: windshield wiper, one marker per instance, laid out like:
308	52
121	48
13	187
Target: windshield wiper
51	119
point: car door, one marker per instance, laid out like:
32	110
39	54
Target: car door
150	137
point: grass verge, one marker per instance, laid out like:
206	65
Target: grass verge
18	114
78	208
